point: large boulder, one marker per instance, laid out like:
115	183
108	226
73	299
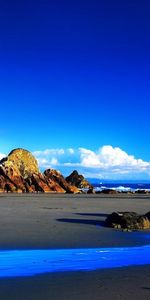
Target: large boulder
128	220
78	180
15	169
20	162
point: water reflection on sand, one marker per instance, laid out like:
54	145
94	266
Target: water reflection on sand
32	262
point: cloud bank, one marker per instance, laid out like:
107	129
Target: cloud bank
107	162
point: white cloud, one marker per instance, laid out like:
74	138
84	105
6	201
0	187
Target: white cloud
71	150
89	158
48	152
54	161
108	157
106	162
2	155
43	163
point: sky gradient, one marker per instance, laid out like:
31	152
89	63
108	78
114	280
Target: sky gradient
75	74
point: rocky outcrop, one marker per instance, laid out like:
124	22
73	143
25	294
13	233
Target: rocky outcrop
78	180
56	176
128	220
19	172
15	169
20	162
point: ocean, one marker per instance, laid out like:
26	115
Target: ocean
122	187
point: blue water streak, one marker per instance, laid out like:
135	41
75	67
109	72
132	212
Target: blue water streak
31	262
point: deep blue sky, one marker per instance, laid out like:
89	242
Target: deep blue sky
75	74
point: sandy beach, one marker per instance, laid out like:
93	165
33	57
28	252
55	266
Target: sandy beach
55	221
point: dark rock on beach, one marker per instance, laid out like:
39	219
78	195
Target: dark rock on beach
128	220
108	191
142	192
91	191
78	180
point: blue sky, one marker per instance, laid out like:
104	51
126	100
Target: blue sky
75	74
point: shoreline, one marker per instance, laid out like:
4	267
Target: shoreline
56	221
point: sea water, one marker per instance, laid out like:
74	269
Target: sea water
121	186
32	262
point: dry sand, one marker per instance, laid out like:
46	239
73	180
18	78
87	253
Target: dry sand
71	221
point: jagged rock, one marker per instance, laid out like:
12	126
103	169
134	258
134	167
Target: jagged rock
6	185
78	180
57	177
19	172
128	220
38	180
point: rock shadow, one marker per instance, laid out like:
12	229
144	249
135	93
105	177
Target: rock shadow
83	221
104	215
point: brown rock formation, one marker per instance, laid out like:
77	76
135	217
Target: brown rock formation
19	172
78	180
20	162
6	184
57	177
19	165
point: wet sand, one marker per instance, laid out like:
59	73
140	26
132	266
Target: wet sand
72	221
